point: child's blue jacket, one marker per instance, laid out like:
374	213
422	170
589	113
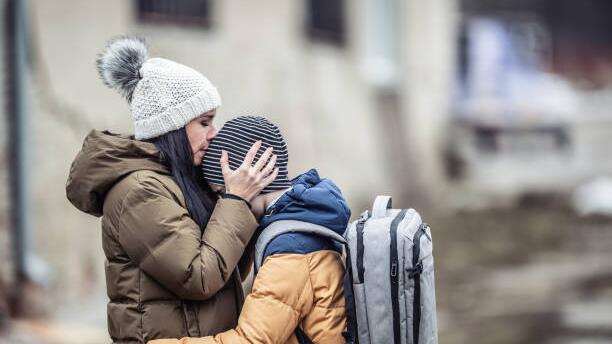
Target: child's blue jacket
311	199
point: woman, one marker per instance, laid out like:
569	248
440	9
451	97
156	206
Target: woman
173	251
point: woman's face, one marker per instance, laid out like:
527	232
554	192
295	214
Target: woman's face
200	132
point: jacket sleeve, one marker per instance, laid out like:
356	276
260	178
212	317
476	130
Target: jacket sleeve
282	295
159	236
245	264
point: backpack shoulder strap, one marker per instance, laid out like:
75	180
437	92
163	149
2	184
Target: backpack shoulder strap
290	226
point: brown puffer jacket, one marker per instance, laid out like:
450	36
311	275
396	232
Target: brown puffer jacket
164	277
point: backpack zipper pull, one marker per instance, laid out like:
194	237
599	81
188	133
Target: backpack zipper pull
423	228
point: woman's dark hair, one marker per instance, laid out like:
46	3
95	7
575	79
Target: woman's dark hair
175	151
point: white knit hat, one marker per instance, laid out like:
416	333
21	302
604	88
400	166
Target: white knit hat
164	95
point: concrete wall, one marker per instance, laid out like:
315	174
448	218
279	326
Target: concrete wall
428	31
261	61
371	133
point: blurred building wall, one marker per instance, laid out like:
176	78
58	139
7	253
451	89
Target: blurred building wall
429	31
262	62
268	67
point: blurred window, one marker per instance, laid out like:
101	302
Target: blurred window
184	12
325	21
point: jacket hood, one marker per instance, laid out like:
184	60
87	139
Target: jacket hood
313	200
104	160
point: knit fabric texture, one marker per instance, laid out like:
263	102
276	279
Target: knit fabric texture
236	137
168	96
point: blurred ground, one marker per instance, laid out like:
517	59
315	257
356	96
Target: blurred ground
536	274
530	275
83	322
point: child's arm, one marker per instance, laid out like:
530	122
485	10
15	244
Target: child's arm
282	295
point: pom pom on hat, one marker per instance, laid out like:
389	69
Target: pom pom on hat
120	62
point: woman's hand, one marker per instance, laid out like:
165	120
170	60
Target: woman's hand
249	179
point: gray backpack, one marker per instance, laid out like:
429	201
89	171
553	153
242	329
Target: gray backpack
387	276
392	268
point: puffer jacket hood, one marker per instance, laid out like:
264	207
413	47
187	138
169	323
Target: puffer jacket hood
311	199
104	160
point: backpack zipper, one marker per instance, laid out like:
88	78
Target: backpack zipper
394	280
415	272
360	248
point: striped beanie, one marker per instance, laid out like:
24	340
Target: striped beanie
236	137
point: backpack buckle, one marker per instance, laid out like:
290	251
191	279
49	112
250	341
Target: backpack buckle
416	270
394	269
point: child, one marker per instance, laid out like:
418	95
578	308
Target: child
297	294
